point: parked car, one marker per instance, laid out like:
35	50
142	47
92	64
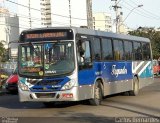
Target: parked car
155	67
12	82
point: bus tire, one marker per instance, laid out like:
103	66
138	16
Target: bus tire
98	94
135	90
48	104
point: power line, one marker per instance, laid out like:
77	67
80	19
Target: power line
51	13
146	11
16	26
22	16
30	21
148	17
54	22
38	19
40	11
136	12
142	13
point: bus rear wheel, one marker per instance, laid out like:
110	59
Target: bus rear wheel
135	90
98	95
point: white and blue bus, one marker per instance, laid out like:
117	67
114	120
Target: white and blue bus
73	64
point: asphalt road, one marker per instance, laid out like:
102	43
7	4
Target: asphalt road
146	104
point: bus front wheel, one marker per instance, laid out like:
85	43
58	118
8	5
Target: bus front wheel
98	95
135	90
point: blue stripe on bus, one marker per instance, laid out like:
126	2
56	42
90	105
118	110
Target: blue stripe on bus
49	88
109	71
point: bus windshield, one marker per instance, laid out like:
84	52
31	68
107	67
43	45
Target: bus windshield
46	59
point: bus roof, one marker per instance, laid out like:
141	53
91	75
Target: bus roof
86	31
110	35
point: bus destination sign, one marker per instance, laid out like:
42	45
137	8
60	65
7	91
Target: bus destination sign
47	35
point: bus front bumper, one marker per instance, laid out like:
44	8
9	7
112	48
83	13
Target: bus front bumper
67	95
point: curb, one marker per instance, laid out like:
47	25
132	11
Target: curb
2	91
157	76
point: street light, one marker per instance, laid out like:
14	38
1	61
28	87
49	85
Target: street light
128	15
132	11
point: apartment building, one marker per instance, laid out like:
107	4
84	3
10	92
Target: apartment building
9	30
46	19
46	13
102	21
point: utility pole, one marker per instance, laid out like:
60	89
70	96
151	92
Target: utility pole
29	7
116	7
70	13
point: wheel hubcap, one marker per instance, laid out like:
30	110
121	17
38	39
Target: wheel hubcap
97	93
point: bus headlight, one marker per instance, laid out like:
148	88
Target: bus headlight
23	87
68	85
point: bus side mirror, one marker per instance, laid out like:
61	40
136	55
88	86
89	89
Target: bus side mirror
81	48
81	51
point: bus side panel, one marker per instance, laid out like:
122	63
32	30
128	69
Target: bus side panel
144	71
117	76
86	80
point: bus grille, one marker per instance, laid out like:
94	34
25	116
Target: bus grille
48	82
45	95
47	85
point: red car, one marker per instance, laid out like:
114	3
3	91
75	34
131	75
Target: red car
12	82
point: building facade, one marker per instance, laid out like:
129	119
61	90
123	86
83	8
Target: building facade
29	13
9	30
102	21
46	13
4	28
70	13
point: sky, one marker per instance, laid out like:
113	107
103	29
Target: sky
146	16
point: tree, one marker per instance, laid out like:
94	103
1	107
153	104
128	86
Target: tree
2	50
153	35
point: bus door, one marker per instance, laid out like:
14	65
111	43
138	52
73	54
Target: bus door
85	66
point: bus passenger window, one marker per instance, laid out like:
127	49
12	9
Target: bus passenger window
107	52
128	48
146	51
118	50
137	51
96	48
